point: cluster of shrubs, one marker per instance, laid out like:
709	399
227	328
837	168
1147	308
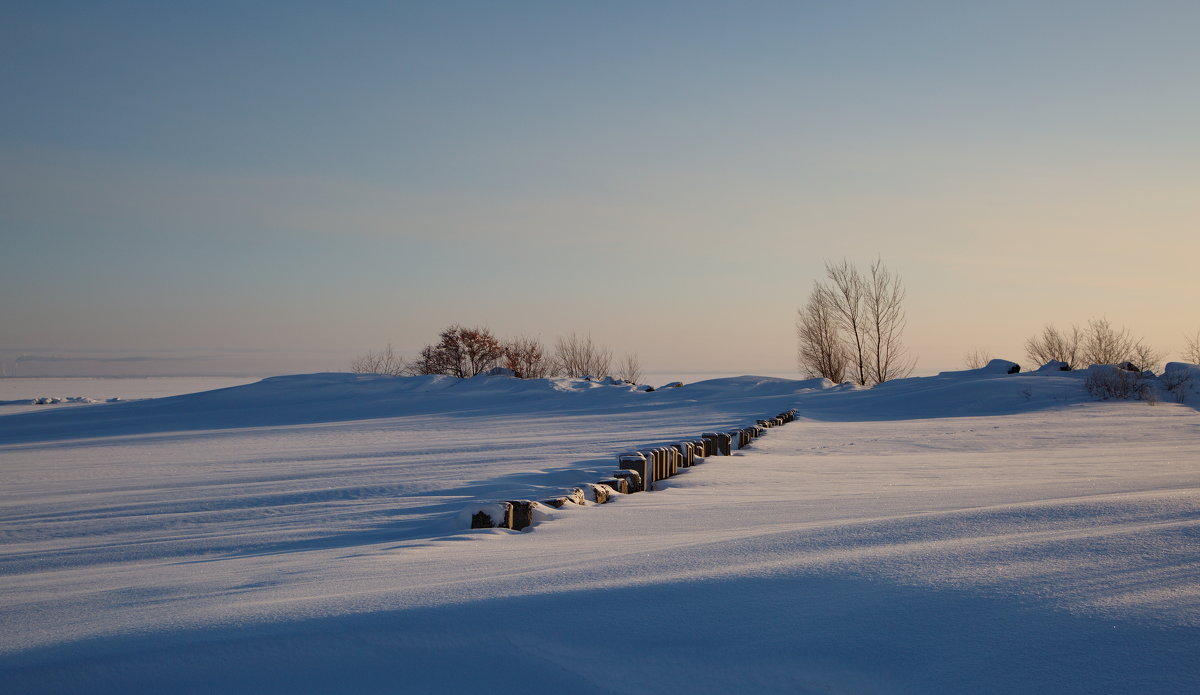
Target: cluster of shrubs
1119	366
464	352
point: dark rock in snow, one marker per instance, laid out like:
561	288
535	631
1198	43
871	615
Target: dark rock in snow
492	515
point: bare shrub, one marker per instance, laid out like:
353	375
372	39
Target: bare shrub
820	351
1099	343
385	362
1178	382
977	359
1103	344
630	368
461	352
1053	345
577	356
1191	351
1109	382
526	357
1146	357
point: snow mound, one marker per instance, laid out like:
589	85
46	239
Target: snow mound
1181	381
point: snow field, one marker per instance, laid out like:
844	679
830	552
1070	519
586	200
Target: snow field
1031	542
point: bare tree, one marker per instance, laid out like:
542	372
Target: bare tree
867	312
846	290
460	352
576	355
883	301
630	368
1191	352
978	358
820	351
385	362
526	357
1053	345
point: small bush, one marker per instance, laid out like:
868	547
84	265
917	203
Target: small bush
526	357
385	362
1109	382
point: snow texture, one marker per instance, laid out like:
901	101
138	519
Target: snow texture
974	531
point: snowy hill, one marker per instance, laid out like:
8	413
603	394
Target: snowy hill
974	531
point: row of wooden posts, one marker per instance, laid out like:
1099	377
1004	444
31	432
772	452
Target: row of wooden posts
637	472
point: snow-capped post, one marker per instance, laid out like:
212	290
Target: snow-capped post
633	479
595	492
724	441
575	496
653	460
685	453
522	513
664	461
636	461
621	485
653	464
491	515
711	448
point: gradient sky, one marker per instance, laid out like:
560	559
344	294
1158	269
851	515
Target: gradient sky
275	187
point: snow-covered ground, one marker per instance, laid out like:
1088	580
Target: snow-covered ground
18	394
973	532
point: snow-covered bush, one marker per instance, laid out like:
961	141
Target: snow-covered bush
1182	381
1110	382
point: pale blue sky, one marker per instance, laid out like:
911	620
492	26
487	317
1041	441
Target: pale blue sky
232	179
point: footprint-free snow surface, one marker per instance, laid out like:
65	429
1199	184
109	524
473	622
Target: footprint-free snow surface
972	532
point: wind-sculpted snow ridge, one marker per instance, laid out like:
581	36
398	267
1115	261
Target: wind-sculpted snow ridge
336	397
969	532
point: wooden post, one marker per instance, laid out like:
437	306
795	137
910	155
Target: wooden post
636	461
522	513
633	479
620	485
